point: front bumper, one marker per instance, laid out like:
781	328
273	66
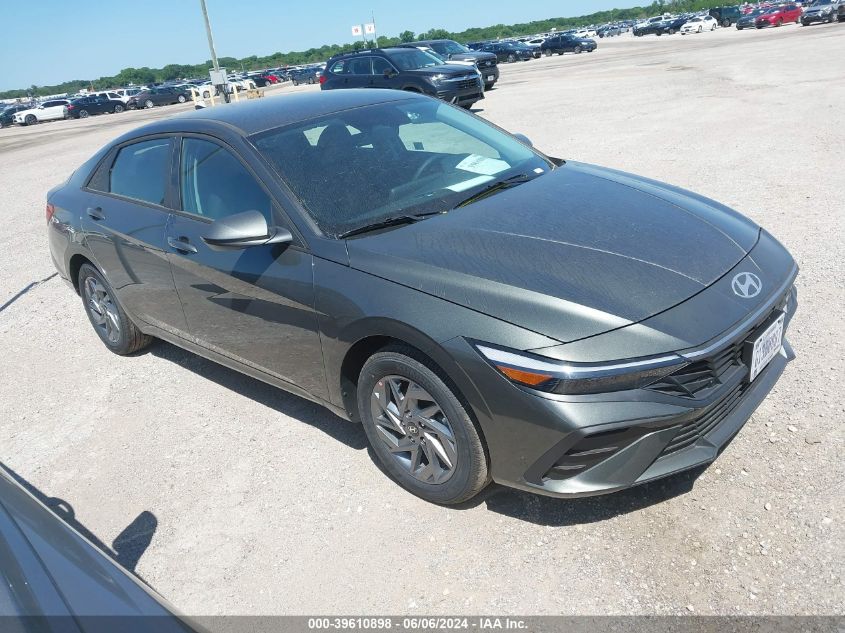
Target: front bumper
589	445
462	96
809	18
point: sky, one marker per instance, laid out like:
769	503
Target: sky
50	41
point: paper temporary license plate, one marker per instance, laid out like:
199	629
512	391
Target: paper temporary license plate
766	347
491	77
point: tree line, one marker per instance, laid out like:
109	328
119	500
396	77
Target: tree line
145	75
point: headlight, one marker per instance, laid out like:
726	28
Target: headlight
552	376
437	78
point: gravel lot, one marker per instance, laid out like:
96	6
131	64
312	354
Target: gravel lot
267	504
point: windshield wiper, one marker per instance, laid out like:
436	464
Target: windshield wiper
394	220
499	185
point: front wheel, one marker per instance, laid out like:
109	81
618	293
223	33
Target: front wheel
419	429
577	50
548	52
110	322
671	31
118	108
779	22
30	119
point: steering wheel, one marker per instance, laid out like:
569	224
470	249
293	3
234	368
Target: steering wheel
428	162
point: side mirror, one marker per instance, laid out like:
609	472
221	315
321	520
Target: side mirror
524	139
243	230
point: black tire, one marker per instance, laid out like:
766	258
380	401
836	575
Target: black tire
511	58
671	31
726	23
548	52
83	114
118	108
148	104
181	99
577	50
470	474
779	22
295	82
488	87
130	339
30	119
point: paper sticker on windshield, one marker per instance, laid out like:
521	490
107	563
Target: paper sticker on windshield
482	165
469	184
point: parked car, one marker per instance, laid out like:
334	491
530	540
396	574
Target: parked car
486	63
127	93
560	44
776	16
83	107
508	51
52	110
826	11
699	24
360	248
726	16
673	25
748	20
7	114
163	95
304	76
409	69
608	31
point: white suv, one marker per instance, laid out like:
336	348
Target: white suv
47	111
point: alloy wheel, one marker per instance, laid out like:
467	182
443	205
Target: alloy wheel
103	311
414	429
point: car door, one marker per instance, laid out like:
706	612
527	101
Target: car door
253	305
359	72
384	74
124	224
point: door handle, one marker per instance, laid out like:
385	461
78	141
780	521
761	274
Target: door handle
181	244
95	213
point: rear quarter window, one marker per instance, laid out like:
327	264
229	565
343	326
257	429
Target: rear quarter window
140	171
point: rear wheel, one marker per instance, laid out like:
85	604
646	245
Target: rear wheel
726	23
577	50
148	103
83	114
511	58
418	428
181	99
779	22
548	52
110	322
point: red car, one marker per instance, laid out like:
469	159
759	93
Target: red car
778	15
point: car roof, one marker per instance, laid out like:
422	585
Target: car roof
257	115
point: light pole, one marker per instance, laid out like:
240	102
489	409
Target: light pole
213	53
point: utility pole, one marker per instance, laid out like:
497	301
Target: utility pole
213	53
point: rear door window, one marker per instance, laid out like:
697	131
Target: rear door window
140	171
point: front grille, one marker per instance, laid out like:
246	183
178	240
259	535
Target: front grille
468	84
489	63
701	378
709	419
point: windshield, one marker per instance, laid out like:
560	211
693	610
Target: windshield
360	166
450	48
413	58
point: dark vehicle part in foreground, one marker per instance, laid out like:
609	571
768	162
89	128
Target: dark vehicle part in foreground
612	331
54	579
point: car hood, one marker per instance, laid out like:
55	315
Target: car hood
472	57
579	251
443	69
